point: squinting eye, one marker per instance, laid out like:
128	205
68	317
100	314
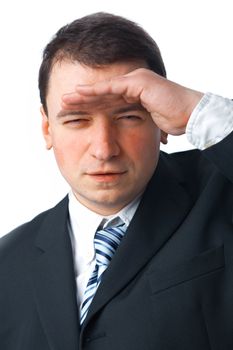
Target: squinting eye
76	121
130	117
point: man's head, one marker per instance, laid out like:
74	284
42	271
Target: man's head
98	40
107	152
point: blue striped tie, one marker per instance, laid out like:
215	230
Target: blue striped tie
106	242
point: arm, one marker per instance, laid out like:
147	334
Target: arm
174	109
210	128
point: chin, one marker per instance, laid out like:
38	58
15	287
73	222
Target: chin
107	204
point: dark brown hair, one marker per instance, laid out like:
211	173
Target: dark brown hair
96	40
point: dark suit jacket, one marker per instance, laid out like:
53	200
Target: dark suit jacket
169	285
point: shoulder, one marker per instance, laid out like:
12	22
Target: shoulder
191	163
24	235
192	170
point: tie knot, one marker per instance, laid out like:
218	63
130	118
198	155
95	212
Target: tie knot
107	240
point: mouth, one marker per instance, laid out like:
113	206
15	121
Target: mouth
106	176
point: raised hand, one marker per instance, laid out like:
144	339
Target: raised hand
169	104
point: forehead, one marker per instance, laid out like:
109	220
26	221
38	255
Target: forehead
65	75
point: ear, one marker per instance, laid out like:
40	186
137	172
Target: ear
163	138
46	129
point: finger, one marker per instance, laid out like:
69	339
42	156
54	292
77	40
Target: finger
113	86
123	85
74	101
90	93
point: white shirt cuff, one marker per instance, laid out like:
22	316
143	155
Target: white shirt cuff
210	122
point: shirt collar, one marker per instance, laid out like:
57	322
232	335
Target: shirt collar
80	213
84	223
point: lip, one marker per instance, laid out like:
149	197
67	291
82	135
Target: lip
106	172
106	176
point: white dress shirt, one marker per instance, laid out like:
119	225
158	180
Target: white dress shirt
83	224
210	122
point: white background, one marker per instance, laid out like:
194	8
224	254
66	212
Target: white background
195	38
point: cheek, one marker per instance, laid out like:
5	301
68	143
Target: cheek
144	145
66	151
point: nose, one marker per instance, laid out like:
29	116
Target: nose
104	144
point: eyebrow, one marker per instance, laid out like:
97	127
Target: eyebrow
129	108
64	113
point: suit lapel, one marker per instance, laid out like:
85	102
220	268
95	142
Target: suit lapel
54	281
162	209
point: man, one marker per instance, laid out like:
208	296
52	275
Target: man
106	106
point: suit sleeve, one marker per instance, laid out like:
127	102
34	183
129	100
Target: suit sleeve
221	154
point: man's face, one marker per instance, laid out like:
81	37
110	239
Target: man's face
106	151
